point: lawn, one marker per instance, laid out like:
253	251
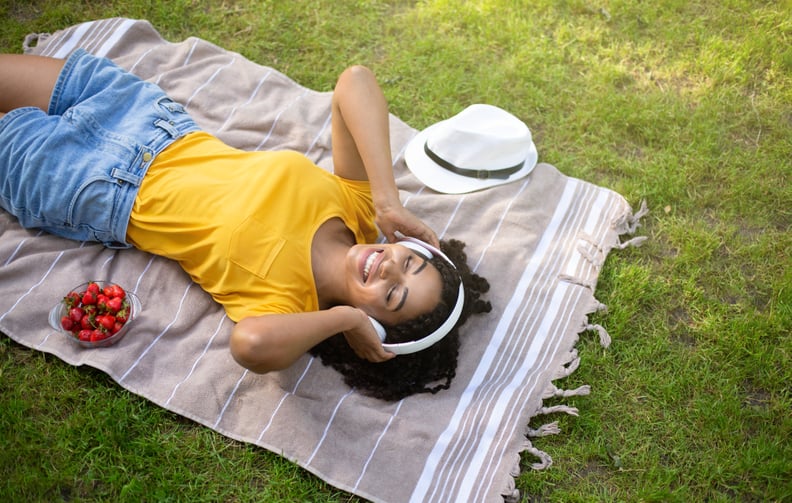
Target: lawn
684	104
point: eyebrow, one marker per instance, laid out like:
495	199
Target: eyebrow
403	299
407	290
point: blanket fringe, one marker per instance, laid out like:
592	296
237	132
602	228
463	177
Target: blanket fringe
553	392
572	411
595	253
571	363
594	260
32	40
544	458
629	223
512	494
596	306
544	430
604	336
636	241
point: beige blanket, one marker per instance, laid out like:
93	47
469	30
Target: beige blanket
540	241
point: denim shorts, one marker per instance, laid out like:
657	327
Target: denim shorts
75	171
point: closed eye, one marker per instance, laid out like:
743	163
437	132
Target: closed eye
419	268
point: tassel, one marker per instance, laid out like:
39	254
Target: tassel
596	306
628	224
604	337
566	371
512	497
511	494
636	241
635	220
590	240
582	390
595	261
572	411
545	459
545	430
549	392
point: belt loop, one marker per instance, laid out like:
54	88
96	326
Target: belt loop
167	126
126	176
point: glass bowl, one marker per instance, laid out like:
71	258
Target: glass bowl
61	309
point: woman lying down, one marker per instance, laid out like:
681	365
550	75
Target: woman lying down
90	152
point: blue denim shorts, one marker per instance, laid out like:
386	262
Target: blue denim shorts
75	171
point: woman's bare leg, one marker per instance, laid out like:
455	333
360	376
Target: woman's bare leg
27	80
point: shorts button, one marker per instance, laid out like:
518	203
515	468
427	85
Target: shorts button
147	157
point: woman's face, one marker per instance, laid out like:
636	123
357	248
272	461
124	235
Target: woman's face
391	283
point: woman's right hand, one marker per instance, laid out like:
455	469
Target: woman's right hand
364	341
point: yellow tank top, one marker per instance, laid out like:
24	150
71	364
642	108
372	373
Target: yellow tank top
241	223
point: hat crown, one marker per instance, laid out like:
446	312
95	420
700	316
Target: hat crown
481	137
482	146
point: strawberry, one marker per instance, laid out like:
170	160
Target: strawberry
117	291
85	323
72	299
98	335
106	321
85	335
101	301
114	304
88	298
76	314
93	288
67	323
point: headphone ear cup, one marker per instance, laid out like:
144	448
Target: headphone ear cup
378	327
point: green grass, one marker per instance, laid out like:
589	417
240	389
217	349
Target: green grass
687	104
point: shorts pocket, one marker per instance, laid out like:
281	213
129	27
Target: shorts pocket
253	248
91	206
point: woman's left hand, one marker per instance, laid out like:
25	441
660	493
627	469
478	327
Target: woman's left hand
398	218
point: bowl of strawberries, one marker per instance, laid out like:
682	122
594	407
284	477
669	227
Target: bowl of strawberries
95	314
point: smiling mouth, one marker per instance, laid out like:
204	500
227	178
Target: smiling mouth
369	263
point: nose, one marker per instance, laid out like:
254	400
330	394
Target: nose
388	268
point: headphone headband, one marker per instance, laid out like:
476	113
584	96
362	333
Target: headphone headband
428	251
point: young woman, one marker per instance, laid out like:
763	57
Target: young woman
91	152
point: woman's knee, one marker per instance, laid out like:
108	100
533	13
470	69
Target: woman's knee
27	80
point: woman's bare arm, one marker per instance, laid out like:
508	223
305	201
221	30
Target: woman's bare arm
361	150
275	341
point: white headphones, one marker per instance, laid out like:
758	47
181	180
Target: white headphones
427	251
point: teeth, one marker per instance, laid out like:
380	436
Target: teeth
369	262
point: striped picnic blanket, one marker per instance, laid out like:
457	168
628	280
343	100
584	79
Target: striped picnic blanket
540	241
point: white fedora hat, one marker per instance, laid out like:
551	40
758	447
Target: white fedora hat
480	147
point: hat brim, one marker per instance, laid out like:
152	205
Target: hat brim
441	180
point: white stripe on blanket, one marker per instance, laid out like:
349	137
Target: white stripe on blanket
540	242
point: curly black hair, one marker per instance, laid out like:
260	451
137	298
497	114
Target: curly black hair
427	371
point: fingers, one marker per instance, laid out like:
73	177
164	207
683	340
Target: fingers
431	238
379	356
408	224
365	342
373	354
